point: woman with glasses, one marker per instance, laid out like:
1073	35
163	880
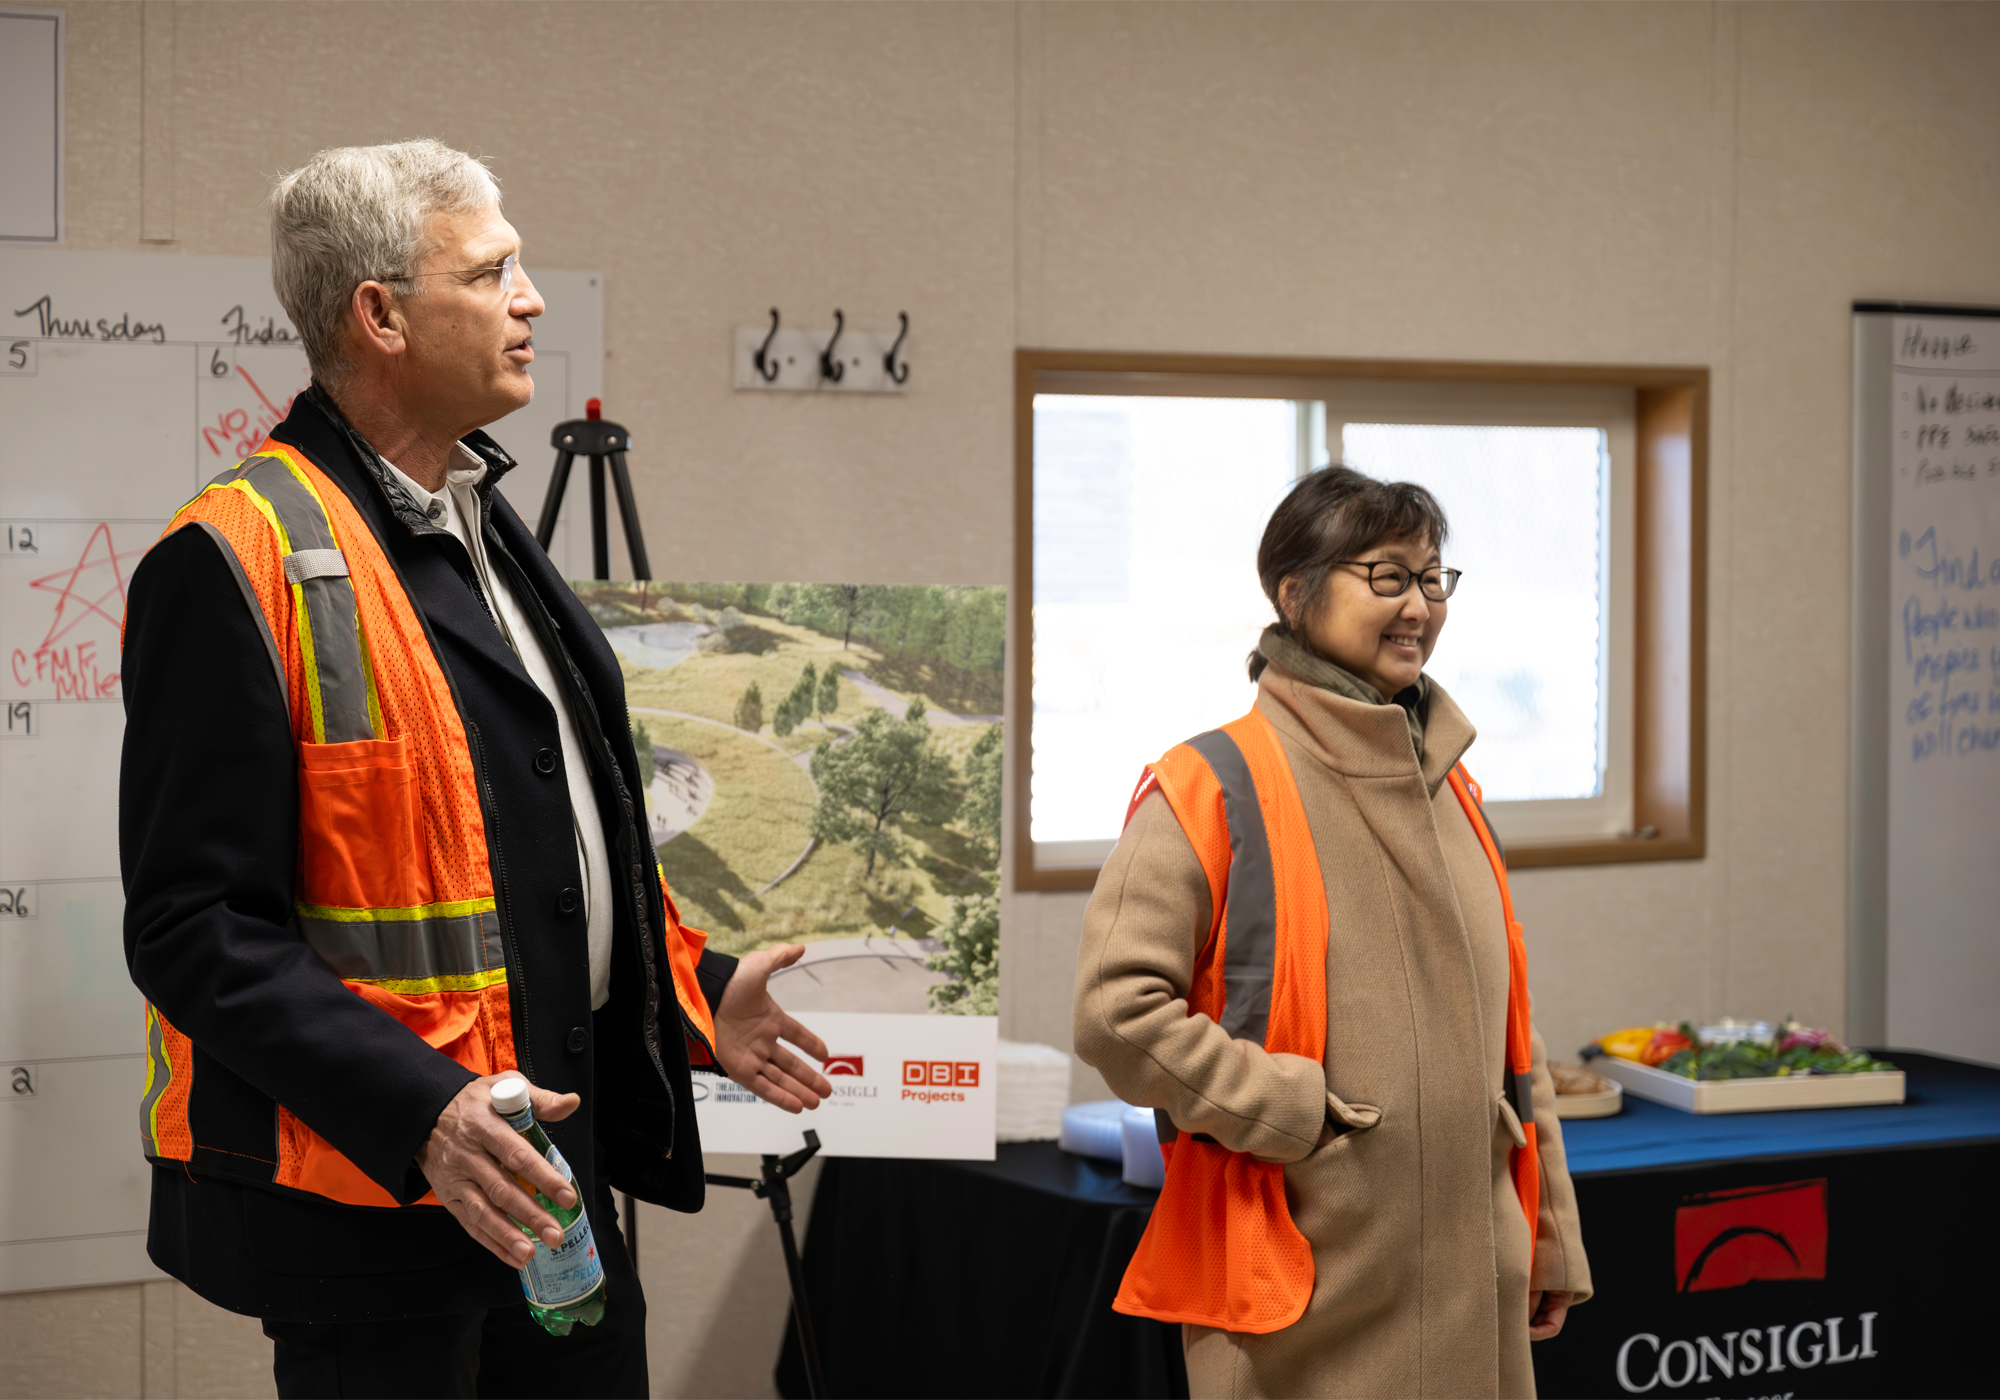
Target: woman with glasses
1303	955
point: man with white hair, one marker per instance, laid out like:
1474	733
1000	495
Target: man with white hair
384	840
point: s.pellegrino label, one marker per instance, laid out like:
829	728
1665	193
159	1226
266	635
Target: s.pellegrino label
553	1278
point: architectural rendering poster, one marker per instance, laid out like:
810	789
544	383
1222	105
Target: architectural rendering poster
825	765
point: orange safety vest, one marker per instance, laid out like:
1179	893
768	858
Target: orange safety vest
393	888
1221	1249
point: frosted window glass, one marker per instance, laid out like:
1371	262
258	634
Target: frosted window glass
1147	516
1523	652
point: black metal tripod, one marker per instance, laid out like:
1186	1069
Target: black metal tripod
775	1186
592	437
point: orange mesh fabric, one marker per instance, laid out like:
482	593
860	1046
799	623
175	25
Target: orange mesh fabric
234	512
684	947
1298	985
387	824
1526	1162
1221	1249
358	803
415	697
169	1080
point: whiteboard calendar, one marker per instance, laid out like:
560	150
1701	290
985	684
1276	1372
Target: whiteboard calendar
127	381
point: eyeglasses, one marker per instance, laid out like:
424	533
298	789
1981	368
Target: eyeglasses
505	267
1392	580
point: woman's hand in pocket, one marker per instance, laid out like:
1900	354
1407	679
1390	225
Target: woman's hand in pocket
1546	1312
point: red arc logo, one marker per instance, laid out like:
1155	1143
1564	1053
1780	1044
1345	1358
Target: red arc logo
1725	1239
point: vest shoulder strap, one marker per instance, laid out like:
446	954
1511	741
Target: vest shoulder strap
282	543
1262	970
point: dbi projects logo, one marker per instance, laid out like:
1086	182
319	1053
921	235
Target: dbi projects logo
938	1081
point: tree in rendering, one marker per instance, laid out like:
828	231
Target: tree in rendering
796	708
971	955
750	710
888	770
981	812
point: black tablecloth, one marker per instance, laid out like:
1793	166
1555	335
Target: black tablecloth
979	1278
996	1278
1845	1247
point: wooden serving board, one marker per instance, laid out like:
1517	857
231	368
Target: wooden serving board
1603	1104
1751	1095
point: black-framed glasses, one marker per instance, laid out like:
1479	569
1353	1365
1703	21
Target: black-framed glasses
1392	580
505	267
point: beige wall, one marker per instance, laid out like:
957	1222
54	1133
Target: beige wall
715	1289
1676	183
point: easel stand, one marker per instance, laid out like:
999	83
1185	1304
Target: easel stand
775	1186
602	442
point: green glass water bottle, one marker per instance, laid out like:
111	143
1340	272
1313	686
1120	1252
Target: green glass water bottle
565	1285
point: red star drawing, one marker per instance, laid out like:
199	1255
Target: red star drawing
82	589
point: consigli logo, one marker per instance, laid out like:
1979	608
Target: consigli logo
1725	1239
1644	1362
843	1064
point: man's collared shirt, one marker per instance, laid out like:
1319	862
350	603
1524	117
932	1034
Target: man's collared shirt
456	509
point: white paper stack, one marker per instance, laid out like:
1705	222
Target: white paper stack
1034	1090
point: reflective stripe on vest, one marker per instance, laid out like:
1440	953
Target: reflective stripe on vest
1221	1249
340	683
393	886
163	1127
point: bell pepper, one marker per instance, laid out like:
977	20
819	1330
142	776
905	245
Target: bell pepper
1628	1044
1664	1045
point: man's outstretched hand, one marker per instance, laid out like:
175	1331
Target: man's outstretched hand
748	1026
473	1159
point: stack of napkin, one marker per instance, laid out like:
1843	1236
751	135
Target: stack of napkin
1034	1090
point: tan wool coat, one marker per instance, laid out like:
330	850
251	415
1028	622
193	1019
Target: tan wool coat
1420	1247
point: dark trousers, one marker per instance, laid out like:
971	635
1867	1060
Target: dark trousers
492	1353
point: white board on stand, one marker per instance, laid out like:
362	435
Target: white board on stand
903	1086
127	381
1925	964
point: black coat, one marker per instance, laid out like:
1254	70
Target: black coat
208	842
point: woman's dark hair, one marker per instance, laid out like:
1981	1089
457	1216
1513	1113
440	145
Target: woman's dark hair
1336	513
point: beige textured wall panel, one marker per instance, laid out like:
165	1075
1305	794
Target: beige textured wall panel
70	1342
1667	183
195	1349
1857	180
1454	181
717	1298
1612	946
713	161
104	74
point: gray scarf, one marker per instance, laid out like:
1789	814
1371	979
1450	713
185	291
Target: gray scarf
1309	666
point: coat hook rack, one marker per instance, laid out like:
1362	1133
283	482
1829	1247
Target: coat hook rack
766	362
898	373
776	358
829	367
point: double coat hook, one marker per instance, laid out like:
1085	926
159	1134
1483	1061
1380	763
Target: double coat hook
829	367
900	373
766	362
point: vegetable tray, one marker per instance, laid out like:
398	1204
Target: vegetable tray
1760	1095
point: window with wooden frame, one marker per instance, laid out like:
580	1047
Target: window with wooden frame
1576	496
